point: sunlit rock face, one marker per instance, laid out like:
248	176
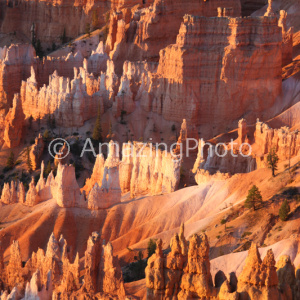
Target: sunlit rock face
201	77
55	273
14	122
15	62
143	170
246	153
184	273
142	33
69	102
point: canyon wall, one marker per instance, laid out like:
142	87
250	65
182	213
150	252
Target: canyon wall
15	63
48	21
200	77
20	63
141	34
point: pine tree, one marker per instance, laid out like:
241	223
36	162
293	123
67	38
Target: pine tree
30	121
53	122
272	160
63	38
46	135
254	198
48	169
88	29
97	132
38	49
95	20
10	161
284	210
28	161
110	131
151	247
39	121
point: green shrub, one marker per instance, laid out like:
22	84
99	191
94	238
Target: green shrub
254	198
284	211
151	247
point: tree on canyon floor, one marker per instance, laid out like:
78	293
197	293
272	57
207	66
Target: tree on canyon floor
63	37
95	20
272	160
38	49
48	169
30	119
28	160
51	122
254	198
88	29
10	161
97	132
284	210
46	135
151	247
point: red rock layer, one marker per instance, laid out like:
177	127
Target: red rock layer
51	18
142	35
209	75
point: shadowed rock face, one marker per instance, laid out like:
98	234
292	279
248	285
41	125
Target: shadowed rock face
250	6
48	20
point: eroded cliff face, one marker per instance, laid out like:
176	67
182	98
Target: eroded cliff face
199	74
47	20
14	122
19	62
143	170
15	64
55	273
70	103
141	34
211	75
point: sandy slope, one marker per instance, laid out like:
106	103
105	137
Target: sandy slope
234	262
133	222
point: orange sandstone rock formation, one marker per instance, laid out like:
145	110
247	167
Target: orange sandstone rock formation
65	189
143	170
14	122
183	68
36	151
184	273
142	33
258	278
241	158
55	275
67	101
15	62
